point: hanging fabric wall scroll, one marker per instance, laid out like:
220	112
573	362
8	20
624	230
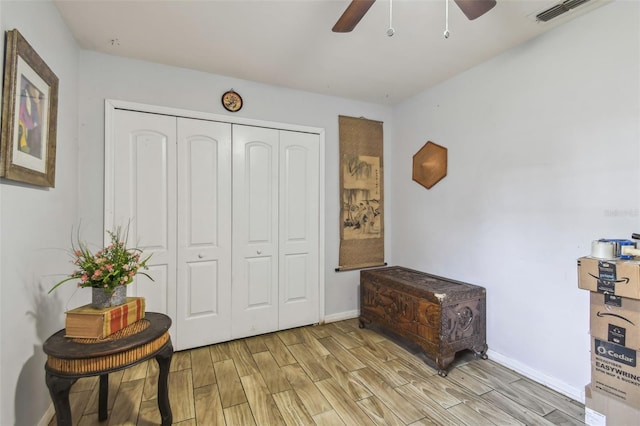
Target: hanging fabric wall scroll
361	192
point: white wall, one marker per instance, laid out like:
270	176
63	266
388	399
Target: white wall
104	76
35	225
543	145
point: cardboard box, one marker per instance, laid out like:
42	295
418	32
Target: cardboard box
618	277
616	319
615	371
601	410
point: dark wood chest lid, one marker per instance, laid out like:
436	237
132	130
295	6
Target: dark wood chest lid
421	284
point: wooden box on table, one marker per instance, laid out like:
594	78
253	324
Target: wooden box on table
440	315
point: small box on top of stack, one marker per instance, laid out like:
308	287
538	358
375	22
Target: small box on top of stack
612	275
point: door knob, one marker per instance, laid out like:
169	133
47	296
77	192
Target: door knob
200	255
259	251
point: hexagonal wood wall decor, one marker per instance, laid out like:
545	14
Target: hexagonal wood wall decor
430	164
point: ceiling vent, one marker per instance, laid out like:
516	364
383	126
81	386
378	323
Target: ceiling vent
559	9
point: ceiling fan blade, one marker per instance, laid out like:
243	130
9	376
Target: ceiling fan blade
352	15
475	8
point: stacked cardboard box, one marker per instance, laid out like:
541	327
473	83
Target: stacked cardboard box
615	338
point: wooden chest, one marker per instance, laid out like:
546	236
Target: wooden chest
442	316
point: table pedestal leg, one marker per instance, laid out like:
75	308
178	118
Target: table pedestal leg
164	361
59	390
103	397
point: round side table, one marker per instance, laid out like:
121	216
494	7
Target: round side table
70	359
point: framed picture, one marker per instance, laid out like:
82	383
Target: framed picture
29	115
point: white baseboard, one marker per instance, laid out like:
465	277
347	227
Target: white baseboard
341	316
47	416
525	370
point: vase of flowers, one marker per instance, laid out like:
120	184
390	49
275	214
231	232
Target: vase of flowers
107	271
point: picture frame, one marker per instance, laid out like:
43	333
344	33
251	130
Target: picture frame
29	115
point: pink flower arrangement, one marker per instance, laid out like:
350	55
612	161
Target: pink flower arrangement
110	267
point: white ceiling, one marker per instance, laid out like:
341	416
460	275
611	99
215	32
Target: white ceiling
290	43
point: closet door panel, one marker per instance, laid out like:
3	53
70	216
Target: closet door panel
299	225
255	230
144	199
204	233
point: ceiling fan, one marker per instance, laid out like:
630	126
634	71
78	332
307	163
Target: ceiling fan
358	8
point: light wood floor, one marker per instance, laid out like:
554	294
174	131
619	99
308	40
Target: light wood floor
334	374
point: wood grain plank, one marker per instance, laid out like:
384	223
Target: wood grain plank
84	384
313	343
345	357
264	409
433	411
408	371
461	377
489	412
379	413
239	415
514	409
494	370
328	418
425	422
149	414
346	381
219	352
242	358
291	337
180	361
389	374
78	403
309	362
292	409
311	397
551	397
127	404
469	416
319	331
150	382
229	385
114	384
558	417
279	350
347	409
273	376
208	406
135	372
392	399
202	367
347	326
348	341
256	344
439	389
181	395
416	360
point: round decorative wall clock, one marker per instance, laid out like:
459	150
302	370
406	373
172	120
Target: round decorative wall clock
232	101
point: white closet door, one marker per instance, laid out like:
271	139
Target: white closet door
204	233
299	225
255	231
143	196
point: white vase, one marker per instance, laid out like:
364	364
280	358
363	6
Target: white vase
102	299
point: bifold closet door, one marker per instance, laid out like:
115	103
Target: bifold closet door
299	221
204	233
255	231
144	198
